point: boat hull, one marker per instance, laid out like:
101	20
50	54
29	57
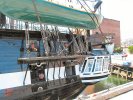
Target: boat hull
50	13
89	80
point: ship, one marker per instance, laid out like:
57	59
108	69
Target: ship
44	63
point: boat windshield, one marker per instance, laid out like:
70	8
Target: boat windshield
89	65
98	64
105	64
98	52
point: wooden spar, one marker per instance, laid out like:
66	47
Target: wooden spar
48	58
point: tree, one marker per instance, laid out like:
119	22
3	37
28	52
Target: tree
130	49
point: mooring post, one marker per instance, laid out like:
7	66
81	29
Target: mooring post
118	73
126	75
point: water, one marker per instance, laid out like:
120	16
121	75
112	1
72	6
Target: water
110	82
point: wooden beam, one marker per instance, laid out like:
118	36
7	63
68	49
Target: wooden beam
48	58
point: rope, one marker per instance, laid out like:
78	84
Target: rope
27	48
25	74
92	18
44	38
68	45
27	35
88	12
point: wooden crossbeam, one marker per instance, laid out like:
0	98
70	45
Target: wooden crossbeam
31	60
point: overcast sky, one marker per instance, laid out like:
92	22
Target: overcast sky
121	10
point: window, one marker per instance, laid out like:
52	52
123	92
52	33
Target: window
105	64
89	65
84	64
98	64
99	52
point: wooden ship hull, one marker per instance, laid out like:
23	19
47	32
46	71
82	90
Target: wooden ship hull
57	84
61	74
32	74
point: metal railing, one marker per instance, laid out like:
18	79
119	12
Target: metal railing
20	25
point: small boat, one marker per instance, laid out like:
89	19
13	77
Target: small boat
94	69
49	13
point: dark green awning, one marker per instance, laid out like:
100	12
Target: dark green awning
50	13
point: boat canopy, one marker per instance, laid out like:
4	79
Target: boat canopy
49	13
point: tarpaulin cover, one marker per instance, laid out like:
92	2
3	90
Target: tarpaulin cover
50	13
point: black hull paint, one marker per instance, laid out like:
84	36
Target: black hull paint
63	91
93	78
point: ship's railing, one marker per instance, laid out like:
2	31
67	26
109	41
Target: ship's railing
20	25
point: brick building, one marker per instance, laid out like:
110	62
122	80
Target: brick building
110	29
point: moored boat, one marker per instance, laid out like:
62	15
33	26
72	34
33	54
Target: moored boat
94	69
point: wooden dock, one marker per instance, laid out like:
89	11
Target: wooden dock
120	71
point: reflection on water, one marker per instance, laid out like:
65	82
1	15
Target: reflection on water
110	82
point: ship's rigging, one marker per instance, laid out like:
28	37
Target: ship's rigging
59	50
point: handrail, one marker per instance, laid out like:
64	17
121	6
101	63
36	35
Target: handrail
20	25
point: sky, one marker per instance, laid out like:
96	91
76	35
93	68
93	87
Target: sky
121	10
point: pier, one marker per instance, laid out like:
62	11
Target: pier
120	71
108	93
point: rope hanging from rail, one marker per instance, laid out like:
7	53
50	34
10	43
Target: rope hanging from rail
27	39
92	17
44	38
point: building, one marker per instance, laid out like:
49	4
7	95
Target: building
110	29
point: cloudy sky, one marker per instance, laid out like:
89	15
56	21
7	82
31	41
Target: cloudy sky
121	10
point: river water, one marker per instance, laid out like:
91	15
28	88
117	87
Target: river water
110	82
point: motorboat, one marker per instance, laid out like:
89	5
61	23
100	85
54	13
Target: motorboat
94	69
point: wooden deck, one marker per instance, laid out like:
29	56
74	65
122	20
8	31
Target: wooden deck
52	90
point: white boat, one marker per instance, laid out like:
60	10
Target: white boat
94	69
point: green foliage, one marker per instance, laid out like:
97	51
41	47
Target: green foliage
130	49
118	50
